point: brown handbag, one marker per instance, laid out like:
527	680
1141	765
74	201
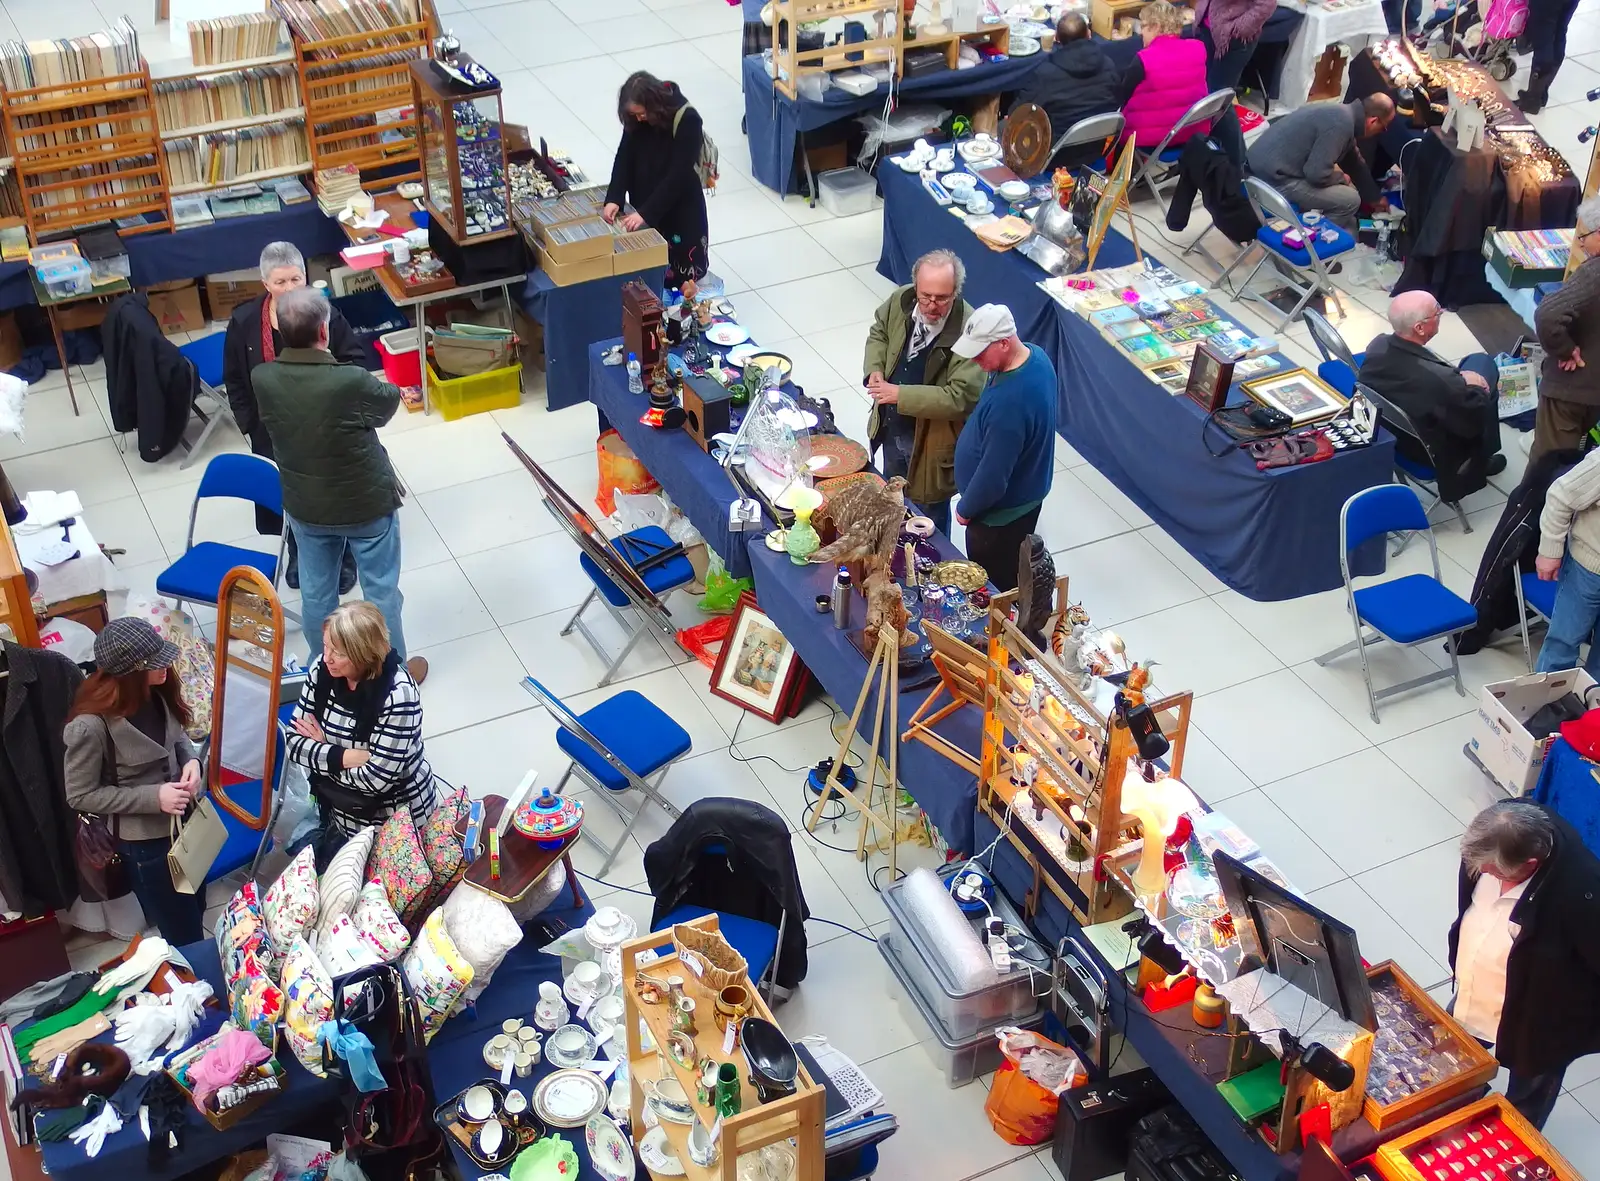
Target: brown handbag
101	870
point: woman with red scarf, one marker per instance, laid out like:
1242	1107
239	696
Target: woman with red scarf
253	340
1230	29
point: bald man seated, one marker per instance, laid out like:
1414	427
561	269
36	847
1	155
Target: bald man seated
1455	408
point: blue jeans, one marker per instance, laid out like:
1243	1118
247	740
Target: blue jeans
376	545
1483	365
179	917
1575	620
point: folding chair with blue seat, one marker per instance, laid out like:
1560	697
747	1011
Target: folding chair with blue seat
644	550
1105	130
1536	595
205	355
615	748
197	576
1340	368
1421	474
1305	271
1409	610
1155	169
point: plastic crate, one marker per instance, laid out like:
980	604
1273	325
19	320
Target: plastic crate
457	397
402	363
962	1060
845	191
962	1014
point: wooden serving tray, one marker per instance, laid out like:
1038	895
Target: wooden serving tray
523	863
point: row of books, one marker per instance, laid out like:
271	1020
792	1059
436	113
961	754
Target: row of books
321	20
1538	250
226	155
53	132
115	179
236	38
190	102
32	64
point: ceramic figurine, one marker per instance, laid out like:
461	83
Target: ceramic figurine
867	518
1133	688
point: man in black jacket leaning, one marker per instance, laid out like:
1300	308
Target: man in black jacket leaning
1076	81
1455	408
1523	948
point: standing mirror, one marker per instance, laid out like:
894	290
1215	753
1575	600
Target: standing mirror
244	704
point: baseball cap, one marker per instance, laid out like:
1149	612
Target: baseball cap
988	324
130	645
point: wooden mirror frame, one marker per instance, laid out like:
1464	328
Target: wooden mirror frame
256	583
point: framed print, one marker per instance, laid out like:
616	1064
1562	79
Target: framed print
757	666
1173	376
1299	393
1209	379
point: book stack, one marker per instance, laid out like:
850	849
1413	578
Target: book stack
246	94
335	187
107	54
242	201
236	38
321	20
1535	250
225	156
291	191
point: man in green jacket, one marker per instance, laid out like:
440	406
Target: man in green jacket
339	488
921	392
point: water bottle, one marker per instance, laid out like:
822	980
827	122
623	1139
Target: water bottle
635	375
841	599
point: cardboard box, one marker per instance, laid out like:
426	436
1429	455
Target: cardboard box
227	290
1501	742
1103	14
596	245
566	274
638	251
177	308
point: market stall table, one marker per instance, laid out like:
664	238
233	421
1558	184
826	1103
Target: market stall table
52	305
1354	23
575	317
1268	534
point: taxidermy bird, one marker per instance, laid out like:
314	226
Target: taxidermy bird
867	520
1036	589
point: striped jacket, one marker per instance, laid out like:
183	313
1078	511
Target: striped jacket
397	769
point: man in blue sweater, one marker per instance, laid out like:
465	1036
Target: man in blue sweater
1005	457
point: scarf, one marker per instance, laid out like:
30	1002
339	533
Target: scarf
268	353
365	702
1233	21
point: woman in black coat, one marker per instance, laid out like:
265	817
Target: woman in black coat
253	339
655	172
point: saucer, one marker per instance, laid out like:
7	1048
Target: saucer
658	1156
578	996
570	1046
663	1113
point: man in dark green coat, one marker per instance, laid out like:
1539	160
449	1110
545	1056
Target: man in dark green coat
339	488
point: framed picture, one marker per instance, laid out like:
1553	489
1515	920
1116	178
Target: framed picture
757	667
1299	393
1209	379
1172	375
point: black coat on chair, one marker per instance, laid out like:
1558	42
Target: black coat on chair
150	385
756	879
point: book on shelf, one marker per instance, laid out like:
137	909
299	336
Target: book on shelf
227	39
221	157
13	240
31	65
225	205
190	211
134	221
246	94
290	190
323	20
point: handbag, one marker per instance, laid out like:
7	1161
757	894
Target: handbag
195	846
465	351
101	869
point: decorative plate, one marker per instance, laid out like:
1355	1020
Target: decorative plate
568	1098
840	483
725	334
1022	46
961	574
835	455
1032	29
778	540
571	1046
908	163
658	1156
609	1151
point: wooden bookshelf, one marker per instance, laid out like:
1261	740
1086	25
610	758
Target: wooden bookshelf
85	153
286	116
358	99
187	70
16	605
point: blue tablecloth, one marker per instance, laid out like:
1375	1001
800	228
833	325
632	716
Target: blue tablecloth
773	121
574	317
1268	535
788	594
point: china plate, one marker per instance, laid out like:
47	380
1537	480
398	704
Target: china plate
1022	46
569	1098
609	1152
838	456
557	1053
766	359
739	354
1029	29
658	1156
978	150
725	333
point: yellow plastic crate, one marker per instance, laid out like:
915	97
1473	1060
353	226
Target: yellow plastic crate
457	397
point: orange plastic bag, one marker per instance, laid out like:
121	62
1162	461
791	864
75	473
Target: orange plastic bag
620	471
1026	1093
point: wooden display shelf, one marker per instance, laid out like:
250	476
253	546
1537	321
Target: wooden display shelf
798	1116
377	64
950	43
160	74
244	178
288	115
16	604
883	43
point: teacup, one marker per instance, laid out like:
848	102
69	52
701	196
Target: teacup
702	1149
733	1003
586	976
550	991
607	1011
569	1039
670	1099
478	1104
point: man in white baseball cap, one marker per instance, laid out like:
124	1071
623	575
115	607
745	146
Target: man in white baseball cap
1005	457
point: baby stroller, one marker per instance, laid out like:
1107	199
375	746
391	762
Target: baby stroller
1455	30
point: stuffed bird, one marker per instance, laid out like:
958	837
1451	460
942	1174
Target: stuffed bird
867	518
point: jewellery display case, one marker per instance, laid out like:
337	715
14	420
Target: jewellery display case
466	182
1422	1058
1485	1141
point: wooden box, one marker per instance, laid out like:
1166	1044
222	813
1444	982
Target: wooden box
1415	1156
1478	1065
641	323
1104	14
706	407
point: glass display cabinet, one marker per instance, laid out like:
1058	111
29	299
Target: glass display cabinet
466	184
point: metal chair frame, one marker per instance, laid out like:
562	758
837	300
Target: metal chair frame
1329	340
1359	644
648	789
1208	107
209	420
1270	204
1522	617
283	543
1399	422
1107	128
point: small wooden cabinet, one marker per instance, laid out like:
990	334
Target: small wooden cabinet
16	603
465	179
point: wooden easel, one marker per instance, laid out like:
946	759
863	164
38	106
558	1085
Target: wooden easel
884	670
1114	197
962	672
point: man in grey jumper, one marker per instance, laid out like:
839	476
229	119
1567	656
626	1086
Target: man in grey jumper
1568	324
1312	156
1569	551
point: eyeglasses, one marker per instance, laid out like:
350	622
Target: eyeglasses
928	297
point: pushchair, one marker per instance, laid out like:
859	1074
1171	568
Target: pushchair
1457	30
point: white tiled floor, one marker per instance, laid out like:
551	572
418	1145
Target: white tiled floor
1363	816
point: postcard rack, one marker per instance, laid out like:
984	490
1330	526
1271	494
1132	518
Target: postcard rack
797	1116
87	153
881	19
1052	765
359	102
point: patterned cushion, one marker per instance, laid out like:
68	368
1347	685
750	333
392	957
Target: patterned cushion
308	1002
341	881
443	849
437	972
291	903
482	929
399	863
377	924
342	950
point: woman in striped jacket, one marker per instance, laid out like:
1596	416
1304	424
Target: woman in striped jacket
357	731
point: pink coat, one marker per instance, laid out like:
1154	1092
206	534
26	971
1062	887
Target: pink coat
1174	80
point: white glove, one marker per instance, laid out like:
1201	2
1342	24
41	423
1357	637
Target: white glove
141	1029
92	1133
150	953
186	1002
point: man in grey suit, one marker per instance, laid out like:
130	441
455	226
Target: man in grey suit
1312	156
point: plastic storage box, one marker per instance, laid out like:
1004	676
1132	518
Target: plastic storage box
66	277
961	1059
457	397
402	364
963	1014
845	191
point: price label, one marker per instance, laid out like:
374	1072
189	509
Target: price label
693	964
600	1067
171	978
728	1039
144	1121
506	1068
583	1009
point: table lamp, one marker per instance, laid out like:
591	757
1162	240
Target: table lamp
1157	804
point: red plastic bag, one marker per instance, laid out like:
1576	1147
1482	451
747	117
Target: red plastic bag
620	471
1026	1093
